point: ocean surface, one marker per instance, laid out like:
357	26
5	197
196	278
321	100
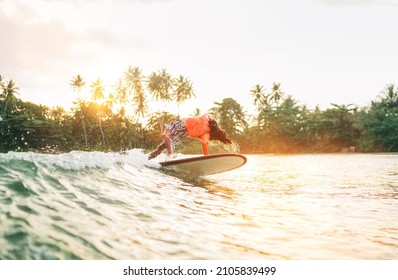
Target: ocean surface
92	205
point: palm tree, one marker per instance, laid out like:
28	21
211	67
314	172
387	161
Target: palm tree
260	99
160	85
183	90
1	87
98	94
276	94
134	79
9	92
390	96
77	83
121	97
230	115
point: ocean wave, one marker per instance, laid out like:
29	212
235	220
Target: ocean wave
77	160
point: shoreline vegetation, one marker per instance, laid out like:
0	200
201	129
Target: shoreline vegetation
118	119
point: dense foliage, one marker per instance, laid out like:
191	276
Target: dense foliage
121	120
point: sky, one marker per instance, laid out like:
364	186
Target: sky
321	51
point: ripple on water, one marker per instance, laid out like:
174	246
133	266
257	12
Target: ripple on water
19	187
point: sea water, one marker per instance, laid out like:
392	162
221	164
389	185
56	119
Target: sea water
93	205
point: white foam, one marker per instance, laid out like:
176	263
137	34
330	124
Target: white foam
79	160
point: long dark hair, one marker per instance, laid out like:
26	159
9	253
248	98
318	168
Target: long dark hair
217	133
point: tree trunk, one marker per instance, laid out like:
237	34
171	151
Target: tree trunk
84	131
100	125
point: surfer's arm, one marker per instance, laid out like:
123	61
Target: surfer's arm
205	149
205	140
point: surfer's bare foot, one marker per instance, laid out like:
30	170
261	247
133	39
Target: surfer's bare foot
170	157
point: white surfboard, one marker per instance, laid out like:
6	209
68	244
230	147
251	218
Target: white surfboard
206	165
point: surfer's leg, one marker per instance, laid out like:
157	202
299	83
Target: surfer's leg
167	141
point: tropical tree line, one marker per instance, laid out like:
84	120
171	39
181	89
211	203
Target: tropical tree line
283	125
119	118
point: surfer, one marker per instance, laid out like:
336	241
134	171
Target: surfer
204	128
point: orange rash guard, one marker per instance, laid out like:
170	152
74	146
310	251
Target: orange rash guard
199	128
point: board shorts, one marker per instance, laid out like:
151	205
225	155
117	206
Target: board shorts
178	130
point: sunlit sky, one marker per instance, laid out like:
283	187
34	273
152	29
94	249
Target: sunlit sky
321	51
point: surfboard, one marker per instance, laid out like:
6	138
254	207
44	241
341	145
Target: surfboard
206	165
